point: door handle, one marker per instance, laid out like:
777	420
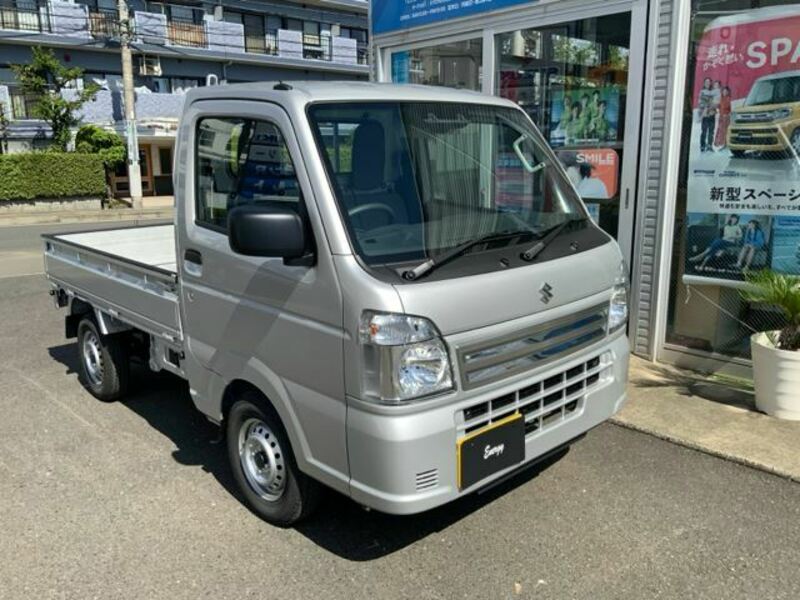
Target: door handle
193	256
193	262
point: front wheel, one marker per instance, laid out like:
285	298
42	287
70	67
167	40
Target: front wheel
263	463
794	142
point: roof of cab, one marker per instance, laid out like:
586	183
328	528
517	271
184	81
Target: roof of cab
305	92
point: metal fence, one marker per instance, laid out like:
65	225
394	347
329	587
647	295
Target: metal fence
104	23
317	47
23	19
187	33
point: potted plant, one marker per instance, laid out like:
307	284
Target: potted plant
776	354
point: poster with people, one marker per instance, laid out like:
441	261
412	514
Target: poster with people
593	171
743	188
584	115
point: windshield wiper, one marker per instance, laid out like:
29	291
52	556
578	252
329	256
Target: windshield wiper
547	236
454	252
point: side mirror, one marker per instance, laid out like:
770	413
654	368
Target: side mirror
269	232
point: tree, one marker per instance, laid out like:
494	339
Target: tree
92	139
45	78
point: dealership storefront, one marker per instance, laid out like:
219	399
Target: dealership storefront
677	120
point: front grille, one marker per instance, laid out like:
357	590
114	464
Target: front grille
530	348
544	404
754	140
754	117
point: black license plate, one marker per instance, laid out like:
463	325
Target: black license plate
491	449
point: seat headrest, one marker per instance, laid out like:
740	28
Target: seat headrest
369	155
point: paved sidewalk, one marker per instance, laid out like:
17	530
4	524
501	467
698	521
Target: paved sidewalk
711	416
86	216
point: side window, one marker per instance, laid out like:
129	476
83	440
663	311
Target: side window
338	140
241	161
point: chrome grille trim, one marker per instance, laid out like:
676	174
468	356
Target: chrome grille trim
530	348
544	403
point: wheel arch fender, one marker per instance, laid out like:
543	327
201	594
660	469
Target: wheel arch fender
268	385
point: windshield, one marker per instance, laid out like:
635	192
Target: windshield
415	179
775	91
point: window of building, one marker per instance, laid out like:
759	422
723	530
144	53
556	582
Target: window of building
241	161
293	24
455	64
165	158
739	176
572	80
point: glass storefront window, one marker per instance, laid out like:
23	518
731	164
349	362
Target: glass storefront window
571	79
738	201
455	64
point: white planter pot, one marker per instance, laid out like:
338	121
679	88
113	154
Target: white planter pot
776	375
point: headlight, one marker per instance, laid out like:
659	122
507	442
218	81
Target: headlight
405	358
618	305
781	113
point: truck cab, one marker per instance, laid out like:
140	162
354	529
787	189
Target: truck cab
393	291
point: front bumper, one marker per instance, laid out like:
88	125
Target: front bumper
406	463
766	138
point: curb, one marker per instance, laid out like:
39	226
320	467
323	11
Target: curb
742	460
95	216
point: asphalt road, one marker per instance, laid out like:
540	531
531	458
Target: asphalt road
134	500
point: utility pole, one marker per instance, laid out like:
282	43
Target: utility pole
134	172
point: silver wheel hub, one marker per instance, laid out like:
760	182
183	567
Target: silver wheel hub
92	358
262	459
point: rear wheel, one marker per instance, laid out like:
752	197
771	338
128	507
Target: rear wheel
263	463
104	362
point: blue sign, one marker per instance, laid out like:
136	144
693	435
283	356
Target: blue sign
391	15
400	66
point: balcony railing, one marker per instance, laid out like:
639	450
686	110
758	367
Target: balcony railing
186	33
22	19
255	43
362	54
104	23
316	46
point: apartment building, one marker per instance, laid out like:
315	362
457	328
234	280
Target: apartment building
177	46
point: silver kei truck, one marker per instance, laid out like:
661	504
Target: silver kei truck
392	291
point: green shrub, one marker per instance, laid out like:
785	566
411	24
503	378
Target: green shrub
51	175
92	139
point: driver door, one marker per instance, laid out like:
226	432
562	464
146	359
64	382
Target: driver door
256	319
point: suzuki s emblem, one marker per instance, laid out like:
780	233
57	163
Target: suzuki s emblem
546	292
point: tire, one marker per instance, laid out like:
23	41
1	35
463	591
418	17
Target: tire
104	362
263	463
794	144
737	153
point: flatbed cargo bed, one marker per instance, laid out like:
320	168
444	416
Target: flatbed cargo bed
129	273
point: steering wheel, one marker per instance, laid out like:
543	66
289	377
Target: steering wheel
374	206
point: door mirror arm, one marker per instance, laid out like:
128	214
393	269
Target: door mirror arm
309	259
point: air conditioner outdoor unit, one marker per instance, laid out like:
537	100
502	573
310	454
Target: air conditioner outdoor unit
150	65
